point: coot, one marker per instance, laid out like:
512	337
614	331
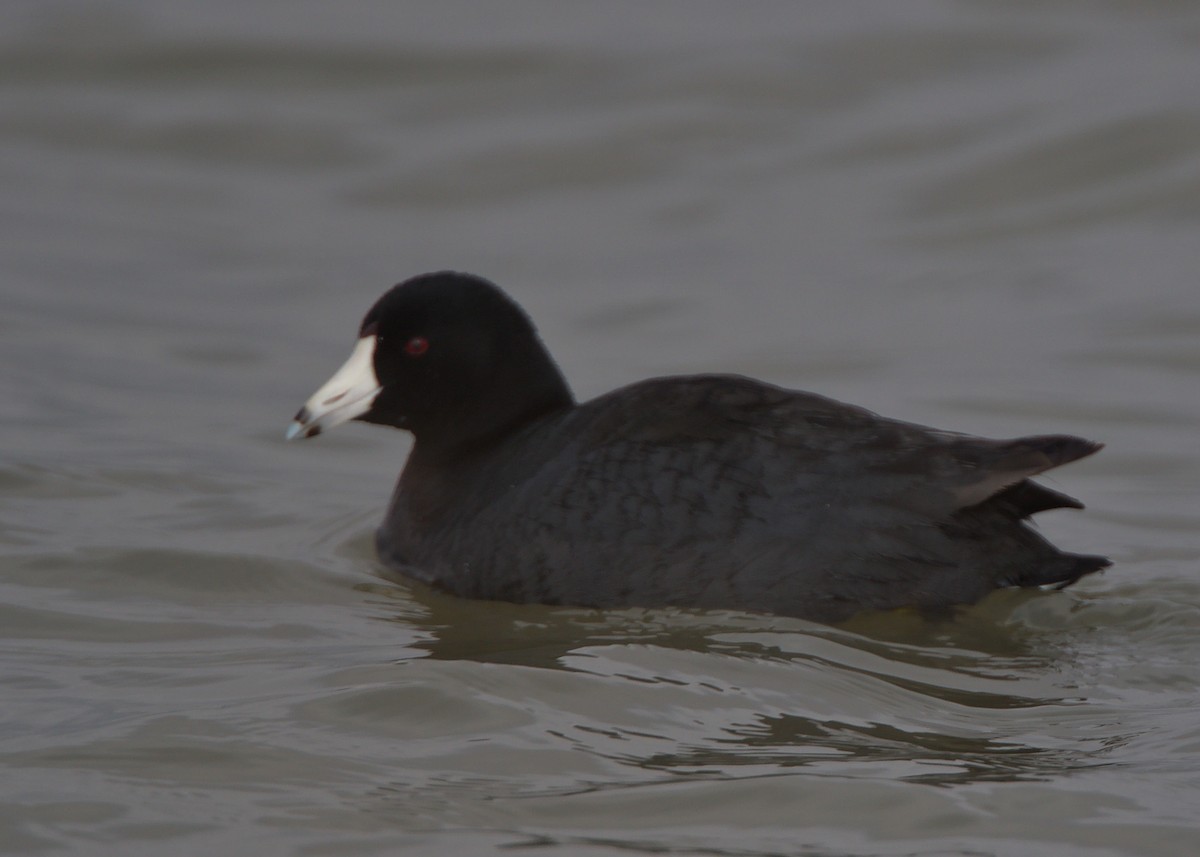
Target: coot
704	491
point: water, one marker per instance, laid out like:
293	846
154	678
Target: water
977	215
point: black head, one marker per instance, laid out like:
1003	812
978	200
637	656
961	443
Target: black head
447	356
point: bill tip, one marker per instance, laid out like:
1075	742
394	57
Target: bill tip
299	430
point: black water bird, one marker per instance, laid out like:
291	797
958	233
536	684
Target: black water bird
710	491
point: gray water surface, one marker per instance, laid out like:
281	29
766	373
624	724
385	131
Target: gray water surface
976	215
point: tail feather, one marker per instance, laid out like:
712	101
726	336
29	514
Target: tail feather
1028	498
1001	466
1062	448
1063	570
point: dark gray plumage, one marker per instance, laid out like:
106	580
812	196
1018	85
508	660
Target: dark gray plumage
705	491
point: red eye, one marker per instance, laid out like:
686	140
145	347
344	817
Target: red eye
416	346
